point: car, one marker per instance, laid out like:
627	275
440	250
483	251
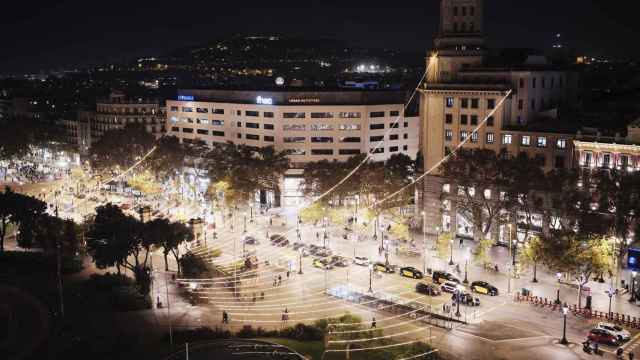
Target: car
441	277
323	252
451	287
313	249
483	287
339	261
382	267
361	260
279	240
322	264
603	336
465	299
411	272
297	245
622	334
427	289
250	240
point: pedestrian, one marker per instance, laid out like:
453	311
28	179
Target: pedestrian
373	323
444	308
279	280
262	295
275	281
288	273
317	236
225	317
461	243
270	221
631	355
254	298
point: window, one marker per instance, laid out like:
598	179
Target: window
296	152
376	127
464	11
406	124
202	132
187	130
238	112
474	119
202	121
624	160
533	104
350	115
472	10
474	137
587	159
533	84
267	114
252	113
321	151
174	108
463	135
455	11
239	136
559	163
448	135
295	139
321	115
187	109
350	140
448	118
293	127
405	147
507	139
561	144
321	139
520	104
202	110
217	122
376	138
269	138
376	114
606	160
377	151
175	128
393	149
349	151
542	142
174	119
463	119
394	113
521	83
394	125
217	133
218	111
347	127
464	103
394	137
268	126
491	104
525	140
252	137
490	121
544	82
449	102
294	115
252	125
475	103
490	138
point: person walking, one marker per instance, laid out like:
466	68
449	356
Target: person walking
461	243
279	280
225	317
288	273
373	323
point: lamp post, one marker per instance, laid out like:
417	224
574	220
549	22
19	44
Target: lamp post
424	241
300	261
245	223
386	252
466	265
633	285
324	237
565	310
451	252
558	275
508	278
458	303
610	294
381	235
370	276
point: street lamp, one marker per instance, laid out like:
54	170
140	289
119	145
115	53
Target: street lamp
300	261
458	302
610	294
565	310
245	222
424	241
466	264
370	275
558	275
451	252
633	285
381	235
386	252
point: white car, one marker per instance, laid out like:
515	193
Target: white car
361	260
615	330
451	287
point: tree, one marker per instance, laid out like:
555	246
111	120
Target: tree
168	157
170	236
121	147
26	212
532	254
8	203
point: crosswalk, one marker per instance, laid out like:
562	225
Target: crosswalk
632	344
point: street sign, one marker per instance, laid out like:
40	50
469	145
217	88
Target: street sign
633	259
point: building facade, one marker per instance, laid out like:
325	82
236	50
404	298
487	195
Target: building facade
311	126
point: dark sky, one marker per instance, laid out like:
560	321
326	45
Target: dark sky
41	35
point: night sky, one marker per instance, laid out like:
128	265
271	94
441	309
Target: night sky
72	32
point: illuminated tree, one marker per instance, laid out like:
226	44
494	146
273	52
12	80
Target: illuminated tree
532	254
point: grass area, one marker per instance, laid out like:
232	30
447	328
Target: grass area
307	348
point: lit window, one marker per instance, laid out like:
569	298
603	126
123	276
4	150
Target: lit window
542	142
507	139
446	188
474	137
449	102
561	144
525	140
490	138
487	194
448	135
463	135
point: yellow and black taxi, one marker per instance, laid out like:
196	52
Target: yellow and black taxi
322	264
382	267
411	272
483	287
441	277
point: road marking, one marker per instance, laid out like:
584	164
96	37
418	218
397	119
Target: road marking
632	344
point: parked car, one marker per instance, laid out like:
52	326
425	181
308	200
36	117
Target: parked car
323	252
322	264
297	245
411	272
279	240
427	289
465	299
382	267
451	287
441	277
361	260
484	287
313	249
622	334
603	336
250	240
339	261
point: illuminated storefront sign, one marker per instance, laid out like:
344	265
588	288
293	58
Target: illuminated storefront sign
264	101
185	97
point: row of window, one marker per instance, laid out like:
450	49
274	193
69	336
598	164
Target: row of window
541	105
468	120
522	82
353	139
198	110
463	10
473	103
507	139
606	160
289	115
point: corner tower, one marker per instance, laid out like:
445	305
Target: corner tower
460	40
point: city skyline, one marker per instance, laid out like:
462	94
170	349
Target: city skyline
70	33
